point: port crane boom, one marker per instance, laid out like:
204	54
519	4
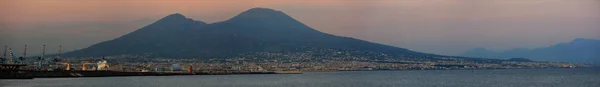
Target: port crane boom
65	63
84	67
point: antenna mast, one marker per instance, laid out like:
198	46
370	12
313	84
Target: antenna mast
43	55
24	55
4	52
44	52
10	61
25	52
59	50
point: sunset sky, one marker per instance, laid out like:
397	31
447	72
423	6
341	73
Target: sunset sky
447	27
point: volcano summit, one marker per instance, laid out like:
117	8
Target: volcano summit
257	30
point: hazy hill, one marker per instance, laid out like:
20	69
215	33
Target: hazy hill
578	50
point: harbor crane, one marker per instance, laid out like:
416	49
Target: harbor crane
84	67
64	63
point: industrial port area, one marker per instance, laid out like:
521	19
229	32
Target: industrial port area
12	67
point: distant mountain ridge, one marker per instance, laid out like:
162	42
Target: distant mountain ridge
255	30
578	50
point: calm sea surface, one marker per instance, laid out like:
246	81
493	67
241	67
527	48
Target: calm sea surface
579	77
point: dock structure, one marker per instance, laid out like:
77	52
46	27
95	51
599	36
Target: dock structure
11	71
10	67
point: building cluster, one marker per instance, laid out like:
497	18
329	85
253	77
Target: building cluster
315	61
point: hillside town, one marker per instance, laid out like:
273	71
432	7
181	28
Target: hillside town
307	62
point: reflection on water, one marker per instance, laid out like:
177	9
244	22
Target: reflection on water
588	77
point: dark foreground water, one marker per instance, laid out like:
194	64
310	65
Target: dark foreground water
588	77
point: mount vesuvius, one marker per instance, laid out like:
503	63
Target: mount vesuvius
253	31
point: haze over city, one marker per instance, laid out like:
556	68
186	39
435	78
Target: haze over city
447	27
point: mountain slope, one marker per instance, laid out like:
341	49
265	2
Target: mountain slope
578	50
157	37
255	30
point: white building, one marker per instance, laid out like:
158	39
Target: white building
102	65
